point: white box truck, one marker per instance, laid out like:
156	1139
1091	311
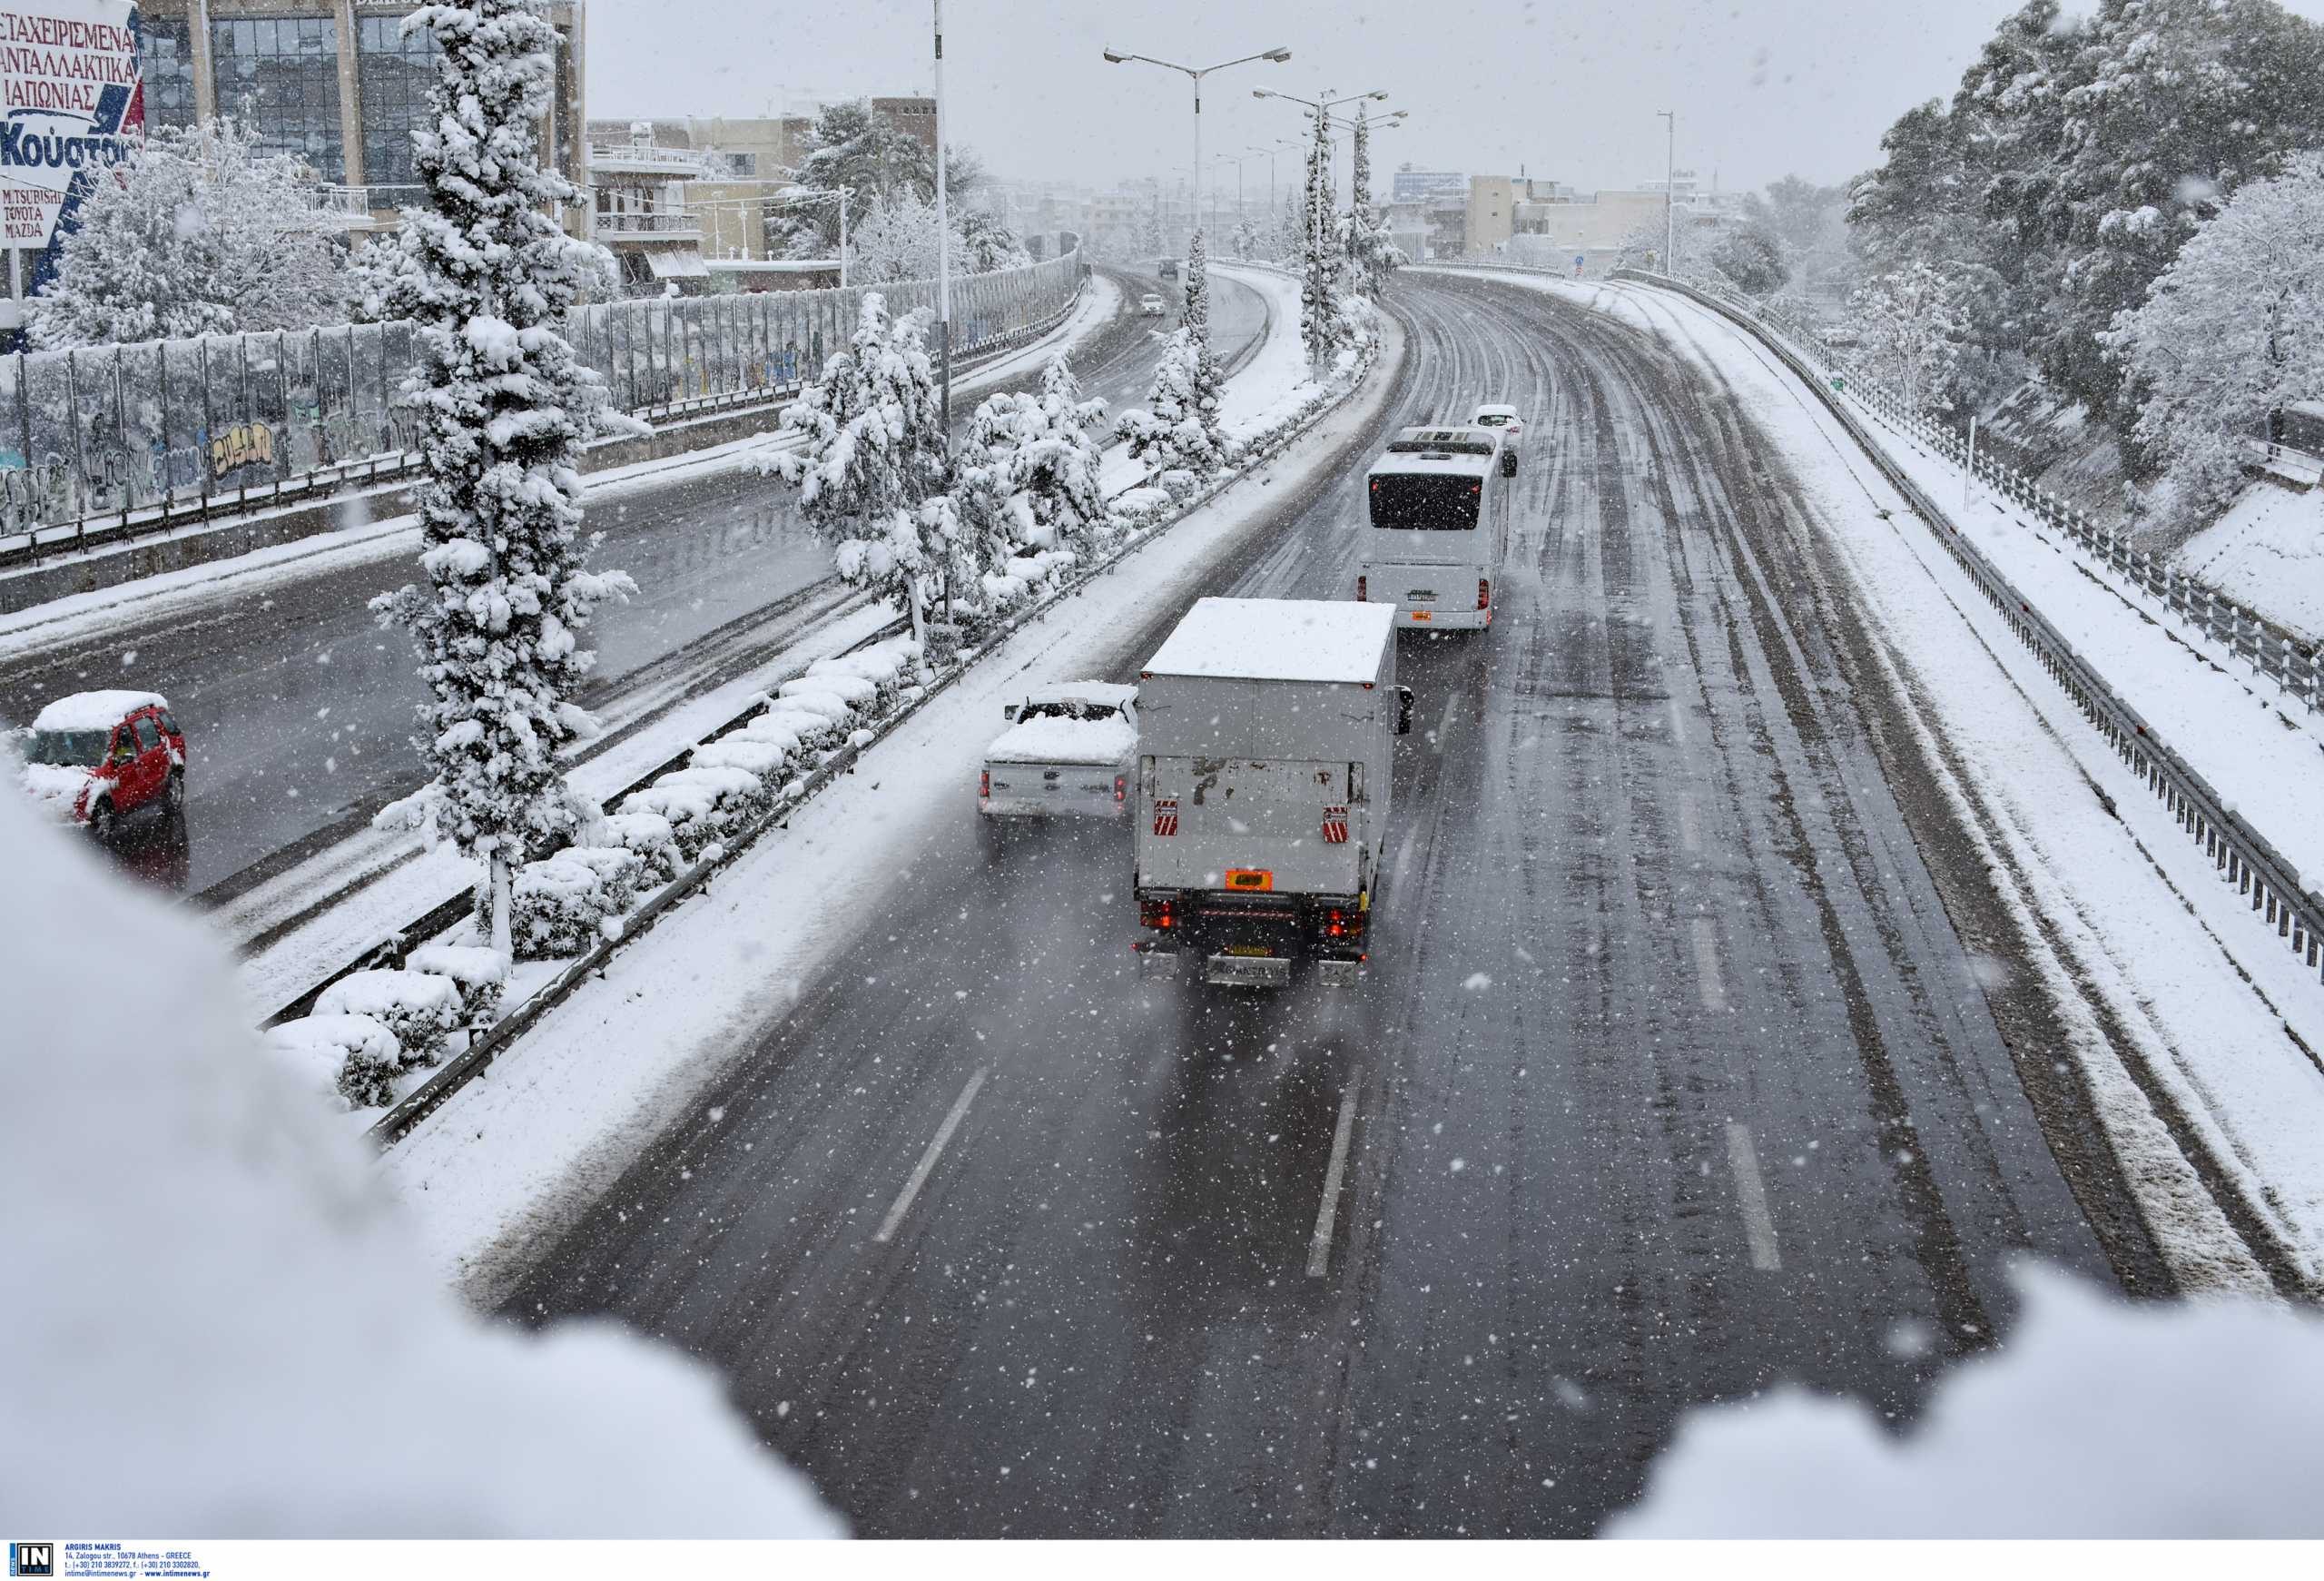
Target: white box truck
1263	788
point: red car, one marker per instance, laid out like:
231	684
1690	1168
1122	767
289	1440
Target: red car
97	757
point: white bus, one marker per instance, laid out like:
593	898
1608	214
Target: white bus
1438	514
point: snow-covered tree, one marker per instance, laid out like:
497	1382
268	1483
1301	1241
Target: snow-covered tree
1911	323
1319	255
2231	330
871	472
896	241
1175	433
1372	256
1026	478
1751	258
503	409
1196	322
206	232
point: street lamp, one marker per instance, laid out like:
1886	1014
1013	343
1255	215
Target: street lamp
1115	57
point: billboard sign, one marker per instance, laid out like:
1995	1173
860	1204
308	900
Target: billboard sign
72	109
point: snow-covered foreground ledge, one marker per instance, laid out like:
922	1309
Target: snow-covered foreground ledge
505	1162
2186	1018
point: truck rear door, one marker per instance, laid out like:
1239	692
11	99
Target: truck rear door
1245	825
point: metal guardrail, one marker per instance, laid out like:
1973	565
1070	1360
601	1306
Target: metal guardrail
108	444
2244	632
471	1062
2242	857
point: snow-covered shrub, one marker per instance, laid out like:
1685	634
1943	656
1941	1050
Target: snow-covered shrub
797	731
504	408
648	835
420	1008
701	803
751	754
837	697
560	906
481	973
622	871
352	1056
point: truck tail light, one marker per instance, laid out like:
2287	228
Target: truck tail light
1340	923
1485	593
1122	788
984	785
1361	584
1157	914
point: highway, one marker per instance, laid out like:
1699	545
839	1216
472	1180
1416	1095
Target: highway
298	709
1680	1071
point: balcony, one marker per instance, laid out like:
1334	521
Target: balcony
620	227
644	158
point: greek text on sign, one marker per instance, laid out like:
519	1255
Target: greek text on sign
70	103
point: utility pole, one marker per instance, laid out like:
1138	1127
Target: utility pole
943	242
1671	195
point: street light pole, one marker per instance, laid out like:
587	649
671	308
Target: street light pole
1197	74
944	241
1671	195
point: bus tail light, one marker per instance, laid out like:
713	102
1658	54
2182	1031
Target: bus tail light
1361	584
1121	789
1485	593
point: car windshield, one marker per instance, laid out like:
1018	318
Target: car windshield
67	748
1491	420
1069	710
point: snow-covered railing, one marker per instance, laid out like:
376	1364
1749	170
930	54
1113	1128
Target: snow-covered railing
112	443
2242	631
2240	854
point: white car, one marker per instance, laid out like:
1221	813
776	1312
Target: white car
1070	751
1150	304
1512	428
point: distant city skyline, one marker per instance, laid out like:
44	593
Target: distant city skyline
1568	92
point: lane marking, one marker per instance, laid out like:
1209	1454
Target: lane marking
1677	723
1319	1249
1758	1224
1706	974
1690	827
928	1160
1445	724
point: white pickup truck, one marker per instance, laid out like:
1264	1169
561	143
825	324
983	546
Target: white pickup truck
1263	788
1068	753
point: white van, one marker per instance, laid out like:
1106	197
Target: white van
1437	505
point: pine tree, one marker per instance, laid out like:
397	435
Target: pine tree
503	409
1319	314
1371	255
1196	322
206	234
1171	434
1027	474
871	472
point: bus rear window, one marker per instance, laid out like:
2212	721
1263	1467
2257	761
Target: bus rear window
1425	503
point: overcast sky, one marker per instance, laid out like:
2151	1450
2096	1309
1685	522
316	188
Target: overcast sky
1567	90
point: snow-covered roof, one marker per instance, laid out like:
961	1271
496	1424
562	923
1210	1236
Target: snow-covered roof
95	710
1105	693
1467	450
1496	411
1278	639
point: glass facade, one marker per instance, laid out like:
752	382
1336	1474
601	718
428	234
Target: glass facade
394	72
165	57
282	75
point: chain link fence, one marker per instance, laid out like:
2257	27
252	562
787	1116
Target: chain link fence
121	440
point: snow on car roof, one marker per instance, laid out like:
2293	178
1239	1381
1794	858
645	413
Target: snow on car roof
1107	694
1277	639
95	710
1496	412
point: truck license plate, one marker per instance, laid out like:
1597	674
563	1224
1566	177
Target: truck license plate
1249	878
1259	950
1420	614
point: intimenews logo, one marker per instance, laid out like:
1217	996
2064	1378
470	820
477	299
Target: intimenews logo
32	1558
